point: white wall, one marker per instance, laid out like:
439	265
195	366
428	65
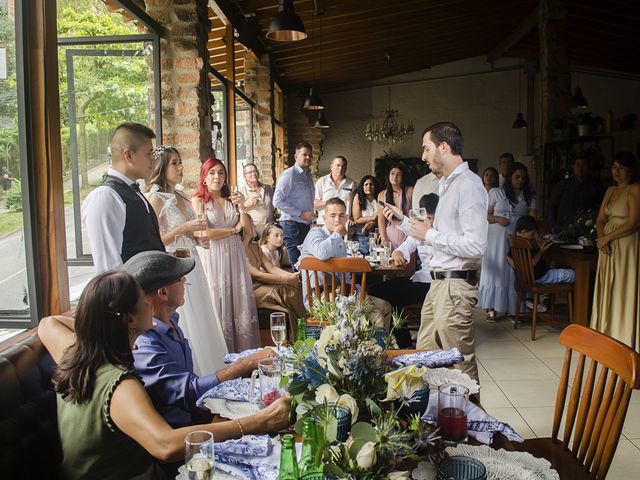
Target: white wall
483	103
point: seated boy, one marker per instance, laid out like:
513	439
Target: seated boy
527	227
327	241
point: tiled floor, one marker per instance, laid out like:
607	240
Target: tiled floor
519	380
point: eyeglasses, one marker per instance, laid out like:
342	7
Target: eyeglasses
249	173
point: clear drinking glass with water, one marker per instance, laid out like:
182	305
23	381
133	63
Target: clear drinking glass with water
199	459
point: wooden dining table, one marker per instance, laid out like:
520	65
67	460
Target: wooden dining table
583	262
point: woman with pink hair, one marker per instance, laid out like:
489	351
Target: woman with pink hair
225	264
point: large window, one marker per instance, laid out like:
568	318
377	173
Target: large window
106	69
244	133
14	296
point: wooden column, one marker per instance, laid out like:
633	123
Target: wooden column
231	104
41	147
554	63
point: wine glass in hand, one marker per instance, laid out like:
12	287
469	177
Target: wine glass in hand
278	322
419	214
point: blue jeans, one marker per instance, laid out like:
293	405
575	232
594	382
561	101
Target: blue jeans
294	235
557	275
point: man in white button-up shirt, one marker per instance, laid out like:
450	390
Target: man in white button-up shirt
335	184
458	238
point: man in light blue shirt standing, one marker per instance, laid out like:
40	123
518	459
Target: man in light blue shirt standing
294	197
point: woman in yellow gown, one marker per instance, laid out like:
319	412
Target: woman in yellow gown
616	302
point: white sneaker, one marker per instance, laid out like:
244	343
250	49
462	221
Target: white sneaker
542	308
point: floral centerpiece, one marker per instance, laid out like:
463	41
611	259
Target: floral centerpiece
581	229
346	368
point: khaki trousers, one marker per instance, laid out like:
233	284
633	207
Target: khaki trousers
446	321
381	316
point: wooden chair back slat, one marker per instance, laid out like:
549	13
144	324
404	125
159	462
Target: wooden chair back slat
608	427
561	396
609	444
329	269
585	402
594	415
574	401
523	263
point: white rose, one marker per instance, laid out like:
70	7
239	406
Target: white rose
367	455
322	342
399	476
326	392
348	401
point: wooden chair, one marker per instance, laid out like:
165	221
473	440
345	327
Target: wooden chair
525	280
333	271
594	412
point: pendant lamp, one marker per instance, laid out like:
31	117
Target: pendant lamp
285	25
519	122
321	122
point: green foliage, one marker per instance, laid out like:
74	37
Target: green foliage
13	197
10	222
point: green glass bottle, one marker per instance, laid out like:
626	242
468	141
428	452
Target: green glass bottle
310	459
288	460
302	329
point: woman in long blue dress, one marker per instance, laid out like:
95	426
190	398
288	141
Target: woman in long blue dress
497	292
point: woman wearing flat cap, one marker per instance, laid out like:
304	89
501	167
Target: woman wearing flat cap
109	428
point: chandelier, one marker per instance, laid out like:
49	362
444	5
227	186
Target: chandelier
390	132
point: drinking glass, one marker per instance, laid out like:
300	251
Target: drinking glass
278	321
181	247
352	248
385	254
419	214
200	236
373	243
452	412
269	376
198	456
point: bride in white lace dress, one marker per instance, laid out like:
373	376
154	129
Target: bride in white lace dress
225	263
198	318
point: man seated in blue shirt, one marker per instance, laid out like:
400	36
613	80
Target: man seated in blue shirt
327	242
162	356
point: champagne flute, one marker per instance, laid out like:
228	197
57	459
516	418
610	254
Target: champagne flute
198	454
278	321
234	193
201	235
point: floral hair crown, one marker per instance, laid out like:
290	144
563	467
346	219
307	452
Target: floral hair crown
159	150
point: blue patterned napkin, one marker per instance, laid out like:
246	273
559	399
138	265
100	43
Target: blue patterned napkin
236	389
234	357
480	425
253	445
432	359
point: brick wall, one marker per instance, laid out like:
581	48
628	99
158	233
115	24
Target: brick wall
299	127
184	83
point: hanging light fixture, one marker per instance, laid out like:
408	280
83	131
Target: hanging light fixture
321	122
389	133
519	122
285	25
313	100
578	102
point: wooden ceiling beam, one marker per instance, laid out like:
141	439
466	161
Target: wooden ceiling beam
517	34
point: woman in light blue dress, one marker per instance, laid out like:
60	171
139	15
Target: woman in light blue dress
497	292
